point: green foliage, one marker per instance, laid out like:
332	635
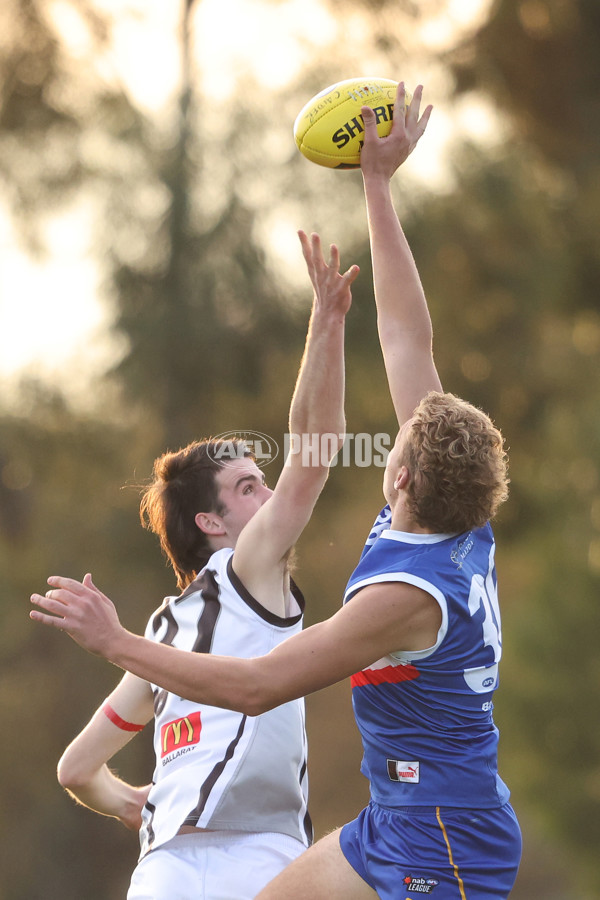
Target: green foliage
509	259
63	129
539	62
62	507
500	268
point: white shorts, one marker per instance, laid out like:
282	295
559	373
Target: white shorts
215	865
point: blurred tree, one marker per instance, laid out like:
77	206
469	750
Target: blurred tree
51	109
499	273
192	337
538	60
183	302
61	478
509	259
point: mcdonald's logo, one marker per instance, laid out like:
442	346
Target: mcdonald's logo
180	733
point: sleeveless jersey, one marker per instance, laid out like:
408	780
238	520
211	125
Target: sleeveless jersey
425	717
217	769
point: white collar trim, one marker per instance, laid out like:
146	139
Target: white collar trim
411	537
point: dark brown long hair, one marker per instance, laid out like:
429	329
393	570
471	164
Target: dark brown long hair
183	484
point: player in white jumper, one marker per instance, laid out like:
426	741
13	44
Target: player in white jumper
227	807
419	633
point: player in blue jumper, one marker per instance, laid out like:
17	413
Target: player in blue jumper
419	632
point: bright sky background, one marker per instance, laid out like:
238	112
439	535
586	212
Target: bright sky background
52	319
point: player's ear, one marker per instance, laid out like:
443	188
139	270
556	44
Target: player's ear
209	523
402	478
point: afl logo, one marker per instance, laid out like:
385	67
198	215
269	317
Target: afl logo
240	444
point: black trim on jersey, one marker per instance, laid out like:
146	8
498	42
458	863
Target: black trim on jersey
150	830
258	608
160	698
307	821
207	584
193	816
165	612
209	589
191	588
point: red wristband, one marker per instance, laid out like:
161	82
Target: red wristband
116	719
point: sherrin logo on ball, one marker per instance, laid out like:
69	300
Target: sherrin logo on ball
329	129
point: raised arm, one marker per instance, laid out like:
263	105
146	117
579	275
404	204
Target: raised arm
404	324
317	409
83	769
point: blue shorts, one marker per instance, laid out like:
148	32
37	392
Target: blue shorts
443	852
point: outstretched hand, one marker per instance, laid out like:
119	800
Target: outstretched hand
82	610
332	290
382	156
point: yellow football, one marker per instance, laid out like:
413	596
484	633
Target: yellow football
329	128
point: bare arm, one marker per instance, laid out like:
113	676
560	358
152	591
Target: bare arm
83	769
404	324
317	409
407	619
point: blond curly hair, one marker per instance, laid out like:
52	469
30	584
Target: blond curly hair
457	462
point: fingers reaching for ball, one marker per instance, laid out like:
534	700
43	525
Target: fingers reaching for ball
331	289
381	156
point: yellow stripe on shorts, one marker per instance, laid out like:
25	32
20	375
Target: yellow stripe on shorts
461	886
